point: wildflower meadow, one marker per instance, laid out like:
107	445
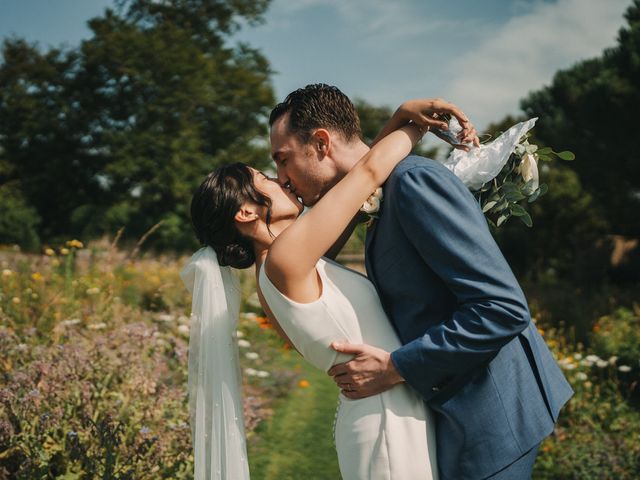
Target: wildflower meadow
94	377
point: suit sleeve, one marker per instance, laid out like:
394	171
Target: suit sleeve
445	224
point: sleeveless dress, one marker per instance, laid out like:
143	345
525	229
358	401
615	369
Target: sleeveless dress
389	436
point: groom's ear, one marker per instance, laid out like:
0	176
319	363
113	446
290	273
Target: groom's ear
321	141
246	214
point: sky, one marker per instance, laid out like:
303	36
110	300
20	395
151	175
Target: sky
482	55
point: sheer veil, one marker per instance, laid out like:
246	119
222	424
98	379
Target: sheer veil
215	396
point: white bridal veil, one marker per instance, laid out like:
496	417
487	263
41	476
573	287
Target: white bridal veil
215	396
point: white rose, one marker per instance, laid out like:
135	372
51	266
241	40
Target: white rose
372	205
529	170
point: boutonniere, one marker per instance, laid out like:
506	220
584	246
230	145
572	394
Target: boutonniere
372	205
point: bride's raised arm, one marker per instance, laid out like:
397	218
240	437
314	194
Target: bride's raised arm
292	258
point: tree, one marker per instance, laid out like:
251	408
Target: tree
119	131
564	219
591	109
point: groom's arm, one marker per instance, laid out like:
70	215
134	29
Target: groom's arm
443	221
447	228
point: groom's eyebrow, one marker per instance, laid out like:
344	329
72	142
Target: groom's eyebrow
276	155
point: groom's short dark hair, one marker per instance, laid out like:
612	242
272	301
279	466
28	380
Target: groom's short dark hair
319	106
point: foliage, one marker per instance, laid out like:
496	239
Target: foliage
501	198
591	109
18	221
567	223
139	113
597	434
373	118
94	370
618	335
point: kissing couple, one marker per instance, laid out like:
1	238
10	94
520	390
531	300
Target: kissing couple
440	371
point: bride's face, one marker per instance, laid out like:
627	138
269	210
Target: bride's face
284	204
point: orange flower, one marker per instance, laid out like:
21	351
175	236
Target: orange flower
596	328
264	322
303	384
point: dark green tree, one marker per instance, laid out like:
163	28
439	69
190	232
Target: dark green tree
119	131
591	109
564	220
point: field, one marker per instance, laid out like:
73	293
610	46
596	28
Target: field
94	370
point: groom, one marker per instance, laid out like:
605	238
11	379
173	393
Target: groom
469	346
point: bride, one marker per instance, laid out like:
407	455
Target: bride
244	217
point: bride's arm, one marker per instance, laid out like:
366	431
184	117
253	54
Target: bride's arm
428	114
294	254
421	112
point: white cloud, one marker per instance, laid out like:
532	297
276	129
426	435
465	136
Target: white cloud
490	79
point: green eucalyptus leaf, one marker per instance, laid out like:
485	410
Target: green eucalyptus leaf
526	219
501	219
533	197
515	196
528	189
545	151
517	211
501	206
566	155
489	205
509	187
543	188
544	157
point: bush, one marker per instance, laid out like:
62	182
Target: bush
18	220
598	433
93	375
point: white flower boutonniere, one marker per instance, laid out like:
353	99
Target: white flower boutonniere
372	205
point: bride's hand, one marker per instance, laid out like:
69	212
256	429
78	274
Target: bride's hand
431	114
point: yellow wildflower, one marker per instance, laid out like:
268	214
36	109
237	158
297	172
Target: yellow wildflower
304	384
6	272
37	276
49	251
15	300
64	251
75	244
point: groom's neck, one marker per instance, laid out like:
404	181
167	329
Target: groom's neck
349	155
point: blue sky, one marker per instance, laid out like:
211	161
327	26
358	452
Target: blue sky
482	55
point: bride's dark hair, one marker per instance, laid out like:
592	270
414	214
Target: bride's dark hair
214	206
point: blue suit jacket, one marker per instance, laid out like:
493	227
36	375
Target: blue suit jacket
469	346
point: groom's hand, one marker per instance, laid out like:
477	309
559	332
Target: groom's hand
369	372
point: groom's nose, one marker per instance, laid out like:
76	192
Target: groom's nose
283	179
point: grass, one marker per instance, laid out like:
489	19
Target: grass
297	441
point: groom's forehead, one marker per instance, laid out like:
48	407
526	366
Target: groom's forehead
282	140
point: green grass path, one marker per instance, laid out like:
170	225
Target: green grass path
297	442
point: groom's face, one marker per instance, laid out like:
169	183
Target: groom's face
301	167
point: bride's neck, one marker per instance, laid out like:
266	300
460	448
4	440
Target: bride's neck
266	236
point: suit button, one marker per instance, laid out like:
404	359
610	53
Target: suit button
435	389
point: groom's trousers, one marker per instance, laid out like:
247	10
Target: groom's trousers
520	469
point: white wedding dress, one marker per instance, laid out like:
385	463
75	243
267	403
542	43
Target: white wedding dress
388	436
